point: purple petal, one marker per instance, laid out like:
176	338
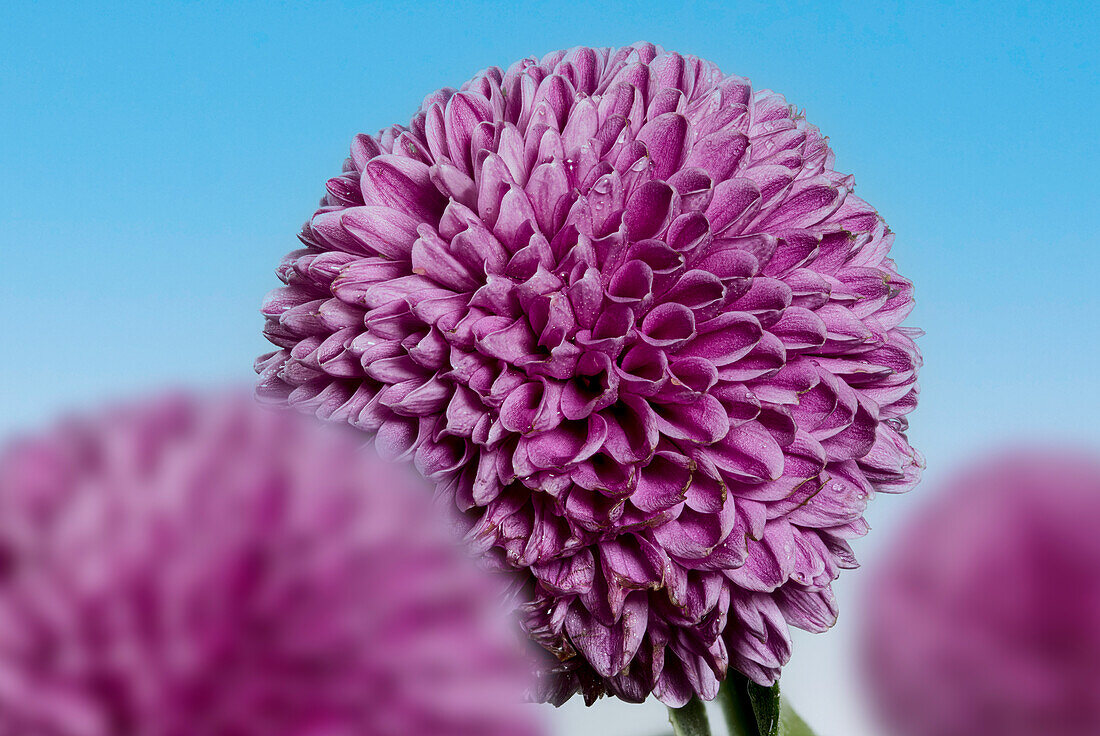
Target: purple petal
649	210
719	153
402	184
725	339
748	452
665	137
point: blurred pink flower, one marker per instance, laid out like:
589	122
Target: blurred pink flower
204	566
625	313
985	617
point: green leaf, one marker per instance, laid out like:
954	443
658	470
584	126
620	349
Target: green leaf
691	720
766	707
753	710
790	724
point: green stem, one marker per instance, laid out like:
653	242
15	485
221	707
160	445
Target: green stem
691	720
737	708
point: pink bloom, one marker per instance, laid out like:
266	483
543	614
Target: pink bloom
985	616
203	566
623	311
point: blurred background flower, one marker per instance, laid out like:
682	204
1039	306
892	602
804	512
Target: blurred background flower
984	618
625	313
199	565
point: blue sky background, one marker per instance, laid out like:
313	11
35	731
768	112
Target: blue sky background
157	159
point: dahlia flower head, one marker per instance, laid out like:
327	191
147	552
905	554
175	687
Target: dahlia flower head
982	618
623	311
199	565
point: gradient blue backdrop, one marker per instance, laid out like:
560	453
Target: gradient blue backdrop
156	161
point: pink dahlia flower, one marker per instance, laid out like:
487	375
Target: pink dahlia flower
985	616
202	566
624	312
